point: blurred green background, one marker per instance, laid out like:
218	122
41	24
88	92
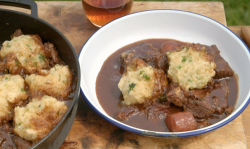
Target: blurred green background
237	11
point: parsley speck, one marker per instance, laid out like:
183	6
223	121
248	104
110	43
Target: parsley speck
41	57
22	90
131	86
8	46
141	72
184	58
29	47
146	77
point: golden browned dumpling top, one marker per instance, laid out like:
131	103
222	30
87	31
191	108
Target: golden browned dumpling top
25	51
191	68
38	118
140	82
12	91
55	82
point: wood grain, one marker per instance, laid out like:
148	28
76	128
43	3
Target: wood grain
90	130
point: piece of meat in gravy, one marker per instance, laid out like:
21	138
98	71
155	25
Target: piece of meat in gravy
175	94
153	110
157	110
125	112
222	67
215	95
200	109
229	109
147	53
201	102
17	33
52	54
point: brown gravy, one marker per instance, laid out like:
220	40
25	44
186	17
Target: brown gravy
110	96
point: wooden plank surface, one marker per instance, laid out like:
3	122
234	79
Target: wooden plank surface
92	131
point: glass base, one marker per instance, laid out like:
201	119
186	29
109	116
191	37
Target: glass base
95	24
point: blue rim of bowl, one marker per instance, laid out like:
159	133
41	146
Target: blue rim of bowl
165	134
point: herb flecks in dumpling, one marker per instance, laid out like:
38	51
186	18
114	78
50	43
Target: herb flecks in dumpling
191	68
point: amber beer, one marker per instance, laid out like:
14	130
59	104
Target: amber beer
100	12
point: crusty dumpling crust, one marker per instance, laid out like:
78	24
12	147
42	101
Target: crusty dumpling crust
12	90
25	51
56	83
191	68
5	110
38	118
138	84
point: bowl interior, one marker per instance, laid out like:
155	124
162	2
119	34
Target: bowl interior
173	24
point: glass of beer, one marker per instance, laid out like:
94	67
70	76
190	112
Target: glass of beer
100	12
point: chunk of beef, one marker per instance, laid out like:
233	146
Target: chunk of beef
200	109
229	110
161	83
222	67
154	110
126	58
52	54
157	111
125	112
17	33
201	102
3	67
147	53
219	95
175	94
181	121
156	59
215	94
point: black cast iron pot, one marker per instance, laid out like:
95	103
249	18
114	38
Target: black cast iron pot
31	24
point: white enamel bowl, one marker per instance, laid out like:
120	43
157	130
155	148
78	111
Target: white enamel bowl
174	24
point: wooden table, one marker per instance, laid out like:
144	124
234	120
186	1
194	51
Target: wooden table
92	131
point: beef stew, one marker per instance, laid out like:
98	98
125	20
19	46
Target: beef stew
208	105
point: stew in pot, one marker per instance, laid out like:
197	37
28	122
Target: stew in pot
36	89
